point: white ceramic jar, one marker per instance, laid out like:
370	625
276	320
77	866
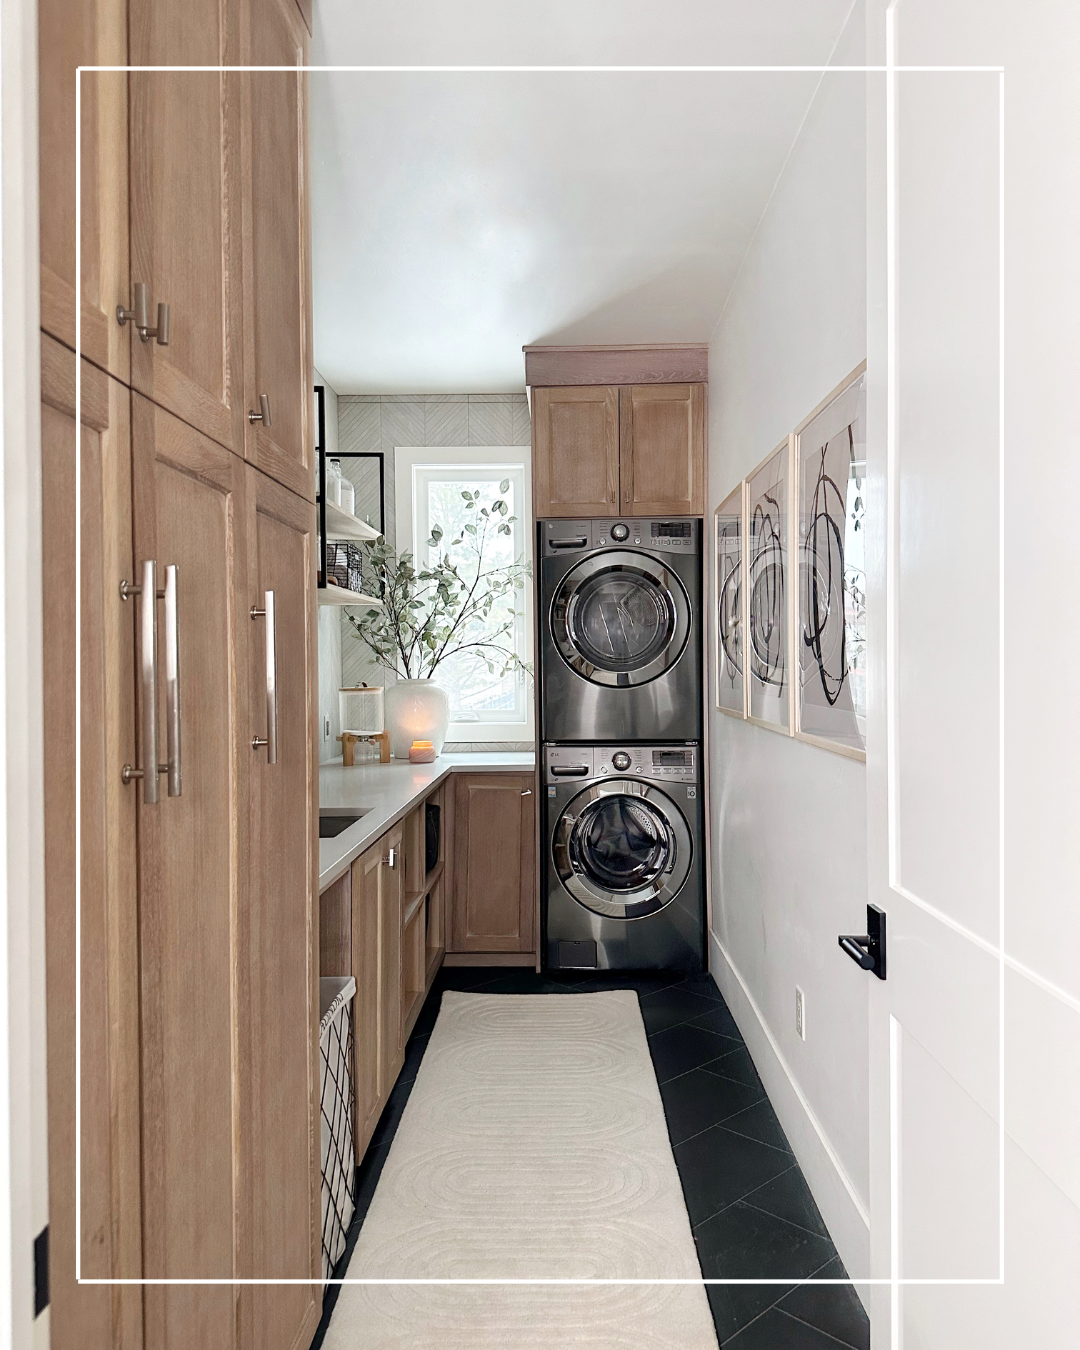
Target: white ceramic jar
415	710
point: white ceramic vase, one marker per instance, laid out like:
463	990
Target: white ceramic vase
416	710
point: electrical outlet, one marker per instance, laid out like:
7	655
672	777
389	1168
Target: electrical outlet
326	727
800	1013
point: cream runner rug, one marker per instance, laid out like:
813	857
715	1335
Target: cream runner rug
533	1145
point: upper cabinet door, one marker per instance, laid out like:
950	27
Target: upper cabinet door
575	451
186	212
277	262
74	33
663	449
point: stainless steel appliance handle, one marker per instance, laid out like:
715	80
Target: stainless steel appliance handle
271	739
569	770
172	681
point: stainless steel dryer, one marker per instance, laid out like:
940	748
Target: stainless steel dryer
620	639
623	880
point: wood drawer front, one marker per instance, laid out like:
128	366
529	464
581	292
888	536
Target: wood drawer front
494	852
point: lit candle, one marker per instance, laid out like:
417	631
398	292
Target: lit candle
422	752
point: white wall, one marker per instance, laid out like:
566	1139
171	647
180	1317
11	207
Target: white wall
789	820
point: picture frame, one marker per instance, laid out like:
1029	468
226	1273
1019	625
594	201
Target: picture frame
729	619
829	633
770	609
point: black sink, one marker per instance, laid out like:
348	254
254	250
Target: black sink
331	826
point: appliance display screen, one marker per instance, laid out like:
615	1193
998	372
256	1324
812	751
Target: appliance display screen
678	759
671	529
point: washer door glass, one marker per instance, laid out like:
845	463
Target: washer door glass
620	618
622	849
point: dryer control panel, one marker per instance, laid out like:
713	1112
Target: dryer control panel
670	763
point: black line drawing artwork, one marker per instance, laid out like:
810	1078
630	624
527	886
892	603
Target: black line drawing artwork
824	631
767	594
729	603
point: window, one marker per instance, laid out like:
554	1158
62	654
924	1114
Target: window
485	704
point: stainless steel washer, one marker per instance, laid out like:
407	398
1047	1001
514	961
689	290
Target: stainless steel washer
623	884
620	641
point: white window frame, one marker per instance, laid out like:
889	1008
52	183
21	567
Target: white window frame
407	460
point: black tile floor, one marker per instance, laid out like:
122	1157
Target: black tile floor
752	1213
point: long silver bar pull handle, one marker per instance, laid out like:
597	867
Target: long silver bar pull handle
172	681
148	672
271	738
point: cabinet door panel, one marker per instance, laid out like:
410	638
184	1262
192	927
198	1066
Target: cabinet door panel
186	212
575	451
367	1004
278	308
189	510
90	1317
392	898
494	854
283	1161
663	449
75	33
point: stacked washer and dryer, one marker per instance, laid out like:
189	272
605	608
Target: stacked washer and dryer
620	695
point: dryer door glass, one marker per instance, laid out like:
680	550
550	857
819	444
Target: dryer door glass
620	618
621	843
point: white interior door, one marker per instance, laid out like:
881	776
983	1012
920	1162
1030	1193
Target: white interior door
966	1183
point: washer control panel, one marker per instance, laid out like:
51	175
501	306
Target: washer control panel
679	535
661	763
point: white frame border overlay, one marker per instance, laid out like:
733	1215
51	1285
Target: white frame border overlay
890	69
822	742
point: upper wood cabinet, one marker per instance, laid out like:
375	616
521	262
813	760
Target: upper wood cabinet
277	323
575	451
662	449
74	33
635	450
494	863
185	187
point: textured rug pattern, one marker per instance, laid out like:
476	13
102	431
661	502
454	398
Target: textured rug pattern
533	1145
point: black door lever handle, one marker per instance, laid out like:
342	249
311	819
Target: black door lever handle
868	951
858	949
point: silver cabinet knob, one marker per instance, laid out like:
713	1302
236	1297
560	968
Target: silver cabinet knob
264	415
140	316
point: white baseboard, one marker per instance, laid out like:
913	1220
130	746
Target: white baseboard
841	1208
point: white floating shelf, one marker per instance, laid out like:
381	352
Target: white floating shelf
338	595
344	525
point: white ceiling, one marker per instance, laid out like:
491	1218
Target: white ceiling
457	216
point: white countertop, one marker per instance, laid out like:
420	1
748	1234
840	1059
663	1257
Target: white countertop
389	791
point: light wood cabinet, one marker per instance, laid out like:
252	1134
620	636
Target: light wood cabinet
662	449
494	863
635	450
377	893
87	1316
185	198
281	961
277	254
74	33
575	451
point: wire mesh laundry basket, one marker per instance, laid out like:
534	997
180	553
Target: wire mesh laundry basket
338	1110
344	564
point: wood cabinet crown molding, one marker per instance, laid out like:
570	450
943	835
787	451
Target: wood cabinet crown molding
628	363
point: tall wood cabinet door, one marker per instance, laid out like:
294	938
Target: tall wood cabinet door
74	33
89	1317
281	1064
662	445
367	1004
278	248
392	898
189	512
186	211
494	862
575	451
